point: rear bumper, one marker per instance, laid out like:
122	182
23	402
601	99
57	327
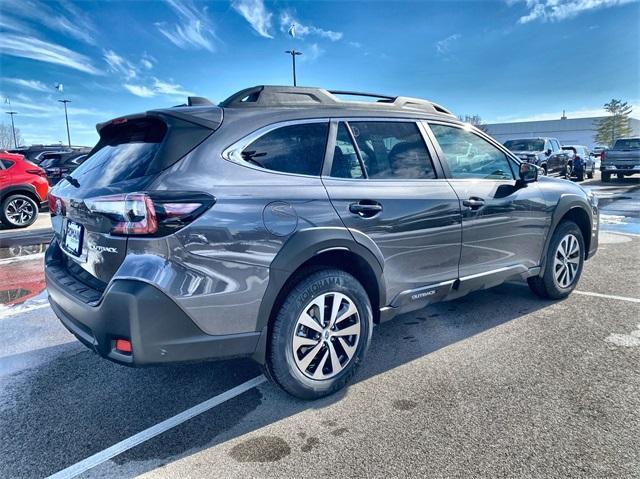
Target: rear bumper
626	169
159	331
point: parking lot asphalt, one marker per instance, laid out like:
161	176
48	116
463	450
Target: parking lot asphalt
499	383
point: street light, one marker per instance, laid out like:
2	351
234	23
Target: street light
294	54
13	128
66	119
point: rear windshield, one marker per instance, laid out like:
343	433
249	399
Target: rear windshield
525	145
627	144
125	151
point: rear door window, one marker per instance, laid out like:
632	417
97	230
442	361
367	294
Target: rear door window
392	150
297	149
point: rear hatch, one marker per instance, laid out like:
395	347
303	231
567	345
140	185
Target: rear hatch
106	199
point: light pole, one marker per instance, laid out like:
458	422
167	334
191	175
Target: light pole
13	128
66	119
294	54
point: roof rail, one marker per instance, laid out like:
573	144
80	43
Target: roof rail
284	96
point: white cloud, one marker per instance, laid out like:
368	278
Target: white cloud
158	87
443	47
65	19
31	84
29	47
118	64
171	89
286	19
140	90
312	53
194	30
586	112
558	10
147	61
256	14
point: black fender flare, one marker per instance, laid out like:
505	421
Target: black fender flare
567	203
20	189
302	246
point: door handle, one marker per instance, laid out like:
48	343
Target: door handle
474	203
365	208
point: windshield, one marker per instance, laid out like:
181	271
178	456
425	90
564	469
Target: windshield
525	145
627	144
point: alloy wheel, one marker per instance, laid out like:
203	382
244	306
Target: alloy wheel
19	211
326	336
567	261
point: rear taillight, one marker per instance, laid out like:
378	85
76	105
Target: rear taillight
56	205
602	155
150	214
38	172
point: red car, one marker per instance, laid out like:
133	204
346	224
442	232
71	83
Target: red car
23	188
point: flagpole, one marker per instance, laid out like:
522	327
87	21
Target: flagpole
13	127
293	53
66	119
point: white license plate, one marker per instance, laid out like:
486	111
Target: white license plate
73	238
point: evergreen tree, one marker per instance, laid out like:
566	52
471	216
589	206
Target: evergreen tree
615	126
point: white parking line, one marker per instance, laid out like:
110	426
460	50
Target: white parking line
139	438
608	296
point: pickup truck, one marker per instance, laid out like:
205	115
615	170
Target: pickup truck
623	159
543	152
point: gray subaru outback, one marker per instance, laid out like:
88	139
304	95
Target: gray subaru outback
285	222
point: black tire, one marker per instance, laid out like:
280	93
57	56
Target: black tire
590	174
606	177
545	171
18	211
581	176
281	365
547	286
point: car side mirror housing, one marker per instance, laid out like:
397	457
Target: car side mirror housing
528	173
548	152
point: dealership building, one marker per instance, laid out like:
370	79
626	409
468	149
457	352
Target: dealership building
569	131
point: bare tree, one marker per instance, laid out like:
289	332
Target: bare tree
6	137
475	120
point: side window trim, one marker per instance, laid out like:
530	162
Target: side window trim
363	167
233	152
513	163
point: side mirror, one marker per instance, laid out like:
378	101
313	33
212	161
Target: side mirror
548	152
528	173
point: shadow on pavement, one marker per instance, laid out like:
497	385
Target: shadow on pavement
79	404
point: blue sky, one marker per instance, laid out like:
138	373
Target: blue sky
504	60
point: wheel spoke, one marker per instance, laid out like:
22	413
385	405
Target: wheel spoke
309	322
337	302
299	341
349	350
335	361
304	362
351	310
348	331
318	374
